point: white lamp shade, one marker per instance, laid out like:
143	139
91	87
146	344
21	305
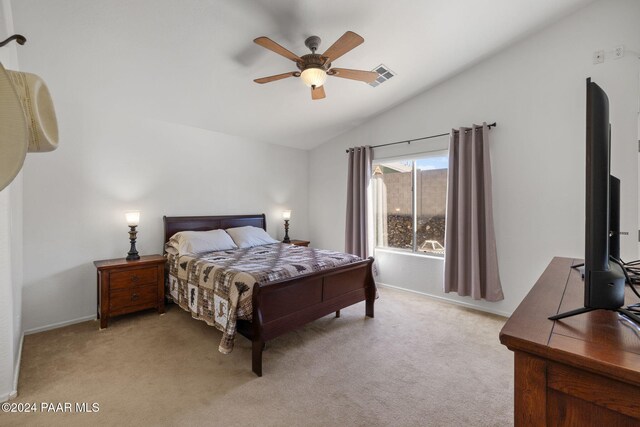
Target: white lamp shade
314	77
133	218
286	214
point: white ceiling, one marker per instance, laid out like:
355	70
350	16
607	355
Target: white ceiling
193	62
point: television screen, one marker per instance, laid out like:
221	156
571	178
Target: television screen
604	280
604	276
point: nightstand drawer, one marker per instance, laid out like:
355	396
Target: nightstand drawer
137	295
139	276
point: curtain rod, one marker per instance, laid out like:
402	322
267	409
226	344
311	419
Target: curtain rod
409	141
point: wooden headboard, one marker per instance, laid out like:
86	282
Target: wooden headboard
174	224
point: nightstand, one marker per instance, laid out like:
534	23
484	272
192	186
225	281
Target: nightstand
300	242
129	286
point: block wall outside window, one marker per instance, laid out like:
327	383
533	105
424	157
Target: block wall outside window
407	219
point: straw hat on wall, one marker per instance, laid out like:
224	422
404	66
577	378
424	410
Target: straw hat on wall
38	110
13	131
27	121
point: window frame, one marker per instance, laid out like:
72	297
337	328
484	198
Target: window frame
414	157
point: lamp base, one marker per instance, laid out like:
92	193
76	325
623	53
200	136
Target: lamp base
133	252
286	232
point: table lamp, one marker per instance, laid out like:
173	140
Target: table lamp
133	219
286	215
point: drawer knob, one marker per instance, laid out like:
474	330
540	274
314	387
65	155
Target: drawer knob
134	278
134	297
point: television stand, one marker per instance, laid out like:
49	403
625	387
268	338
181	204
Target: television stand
572	313
630	315
625	312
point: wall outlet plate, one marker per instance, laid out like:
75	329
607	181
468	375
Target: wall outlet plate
618	52
598	57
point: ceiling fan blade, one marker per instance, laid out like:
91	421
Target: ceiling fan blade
345	73
318	93
267	43
344	44
277	77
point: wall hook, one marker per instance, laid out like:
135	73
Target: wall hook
17	37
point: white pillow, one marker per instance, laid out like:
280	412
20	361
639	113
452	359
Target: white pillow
247	237
196	242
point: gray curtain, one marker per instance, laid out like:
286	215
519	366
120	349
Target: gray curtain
355	241
471	261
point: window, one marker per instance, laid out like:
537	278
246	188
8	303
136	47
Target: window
404	218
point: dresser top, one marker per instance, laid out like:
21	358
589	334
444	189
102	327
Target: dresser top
122	262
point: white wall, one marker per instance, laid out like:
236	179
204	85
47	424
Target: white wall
17	268
112	157
535	90
6	299
10	249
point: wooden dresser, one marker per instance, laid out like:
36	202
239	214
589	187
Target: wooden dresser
579	371
129	286
299	242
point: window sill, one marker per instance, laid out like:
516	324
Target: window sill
408	253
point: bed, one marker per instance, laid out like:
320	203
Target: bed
282	305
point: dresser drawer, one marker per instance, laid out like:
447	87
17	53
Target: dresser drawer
134	277
134	296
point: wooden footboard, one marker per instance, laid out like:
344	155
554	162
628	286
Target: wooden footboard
285	305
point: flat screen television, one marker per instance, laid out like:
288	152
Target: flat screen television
604	277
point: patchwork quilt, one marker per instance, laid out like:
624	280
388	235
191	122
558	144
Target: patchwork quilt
217	287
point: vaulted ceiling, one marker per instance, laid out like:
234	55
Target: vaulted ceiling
193	62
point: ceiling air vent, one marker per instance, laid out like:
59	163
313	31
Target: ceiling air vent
385	74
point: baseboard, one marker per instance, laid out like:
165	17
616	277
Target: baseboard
447	300
59	324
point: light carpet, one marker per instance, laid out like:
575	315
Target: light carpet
420	362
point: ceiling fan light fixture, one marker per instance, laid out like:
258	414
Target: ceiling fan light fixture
314	68
314	77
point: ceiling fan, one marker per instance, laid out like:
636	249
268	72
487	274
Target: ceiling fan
315	68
